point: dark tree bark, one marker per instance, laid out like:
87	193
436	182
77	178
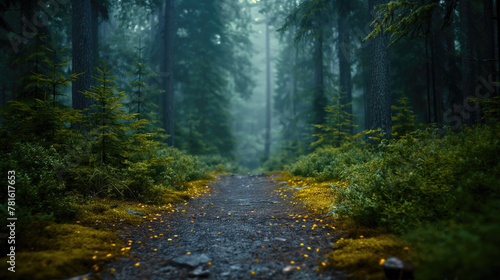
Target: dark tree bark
319	101
468	110
344	55
489	47
267	140
95	31
380	79
167	72
498	35
83	56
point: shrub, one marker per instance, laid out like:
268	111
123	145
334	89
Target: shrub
329	163
39	188
424	178
465	250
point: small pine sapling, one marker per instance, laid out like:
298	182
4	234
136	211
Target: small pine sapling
338	127
403	118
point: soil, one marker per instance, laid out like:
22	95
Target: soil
240	229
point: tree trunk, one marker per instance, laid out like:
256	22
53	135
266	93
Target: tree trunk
380	79
167	100
344	56
95	31
468	110
319	102
489	29
83	56
267	134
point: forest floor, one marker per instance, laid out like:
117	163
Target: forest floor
240	229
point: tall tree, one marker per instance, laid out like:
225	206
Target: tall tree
380	78
267	141
467	63
83	56
344	56
167	69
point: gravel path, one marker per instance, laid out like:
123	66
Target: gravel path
241	229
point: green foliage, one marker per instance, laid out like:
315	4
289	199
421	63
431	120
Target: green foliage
111	130
491	108
36	114
403	118
329	163
469	250
140	94
338	127
424	178
403	18
40	190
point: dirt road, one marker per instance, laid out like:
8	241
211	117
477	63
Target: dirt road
241	229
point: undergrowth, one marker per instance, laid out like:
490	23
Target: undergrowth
435	189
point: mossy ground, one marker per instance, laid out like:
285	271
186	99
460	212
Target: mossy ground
363	249
49	250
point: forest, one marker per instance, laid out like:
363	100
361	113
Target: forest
381	116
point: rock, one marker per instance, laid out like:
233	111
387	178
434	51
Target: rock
166	269
283	183
80	277
199	272
280	239
398	269
300	188
190	261
134	213
287	269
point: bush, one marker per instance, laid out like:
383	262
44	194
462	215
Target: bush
460	250
179	167
328	163
424	178
40	190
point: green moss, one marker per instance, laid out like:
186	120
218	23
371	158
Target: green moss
362	257
51	250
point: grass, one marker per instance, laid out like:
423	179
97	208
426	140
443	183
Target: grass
52	250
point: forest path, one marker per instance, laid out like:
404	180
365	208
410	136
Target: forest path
242	227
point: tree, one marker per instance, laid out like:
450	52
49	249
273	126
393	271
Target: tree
83	52
114	134
467	63
380	79
339	124
167	70
140	94
311	18
344	56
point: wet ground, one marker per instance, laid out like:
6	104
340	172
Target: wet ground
241	229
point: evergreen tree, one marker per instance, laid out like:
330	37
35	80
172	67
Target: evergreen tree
111	129
140	94
339	125
403	118
36	114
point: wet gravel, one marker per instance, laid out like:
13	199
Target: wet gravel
241	229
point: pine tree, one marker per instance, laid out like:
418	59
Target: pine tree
140	94
36	114
111	129
339	125
403	118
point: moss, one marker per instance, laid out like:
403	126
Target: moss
362	257
318	197
49	250
363	248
